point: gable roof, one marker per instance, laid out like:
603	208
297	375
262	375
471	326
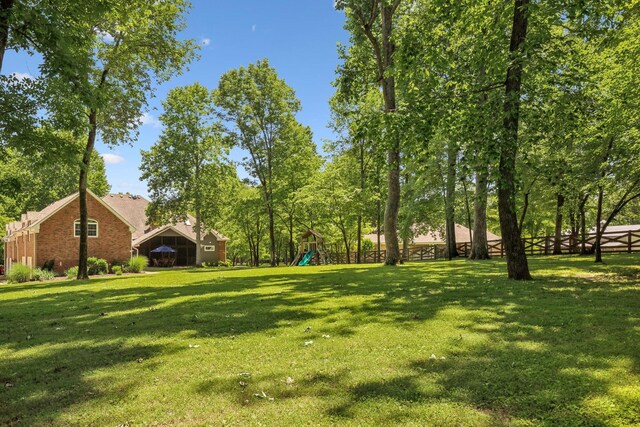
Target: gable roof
31	220
134	207
435	236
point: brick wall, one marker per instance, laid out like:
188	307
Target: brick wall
56	240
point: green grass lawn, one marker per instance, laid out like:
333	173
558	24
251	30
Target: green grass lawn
437	343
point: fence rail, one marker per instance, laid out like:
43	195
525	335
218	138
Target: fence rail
611	242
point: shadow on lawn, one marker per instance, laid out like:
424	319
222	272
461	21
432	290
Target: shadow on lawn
553	334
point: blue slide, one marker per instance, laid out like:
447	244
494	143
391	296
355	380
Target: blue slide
306	258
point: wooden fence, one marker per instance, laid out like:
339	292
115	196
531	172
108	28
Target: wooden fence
614	241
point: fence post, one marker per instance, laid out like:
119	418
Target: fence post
501	249
629	241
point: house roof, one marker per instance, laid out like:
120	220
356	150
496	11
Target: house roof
31	219
435	236
134	207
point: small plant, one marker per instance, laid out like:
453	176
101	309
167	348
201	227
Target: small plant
137	264
226	263
19	273
97	266
71	272
42	275
117	270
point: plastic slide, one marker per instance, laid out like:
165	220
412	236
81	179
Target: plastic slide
306	258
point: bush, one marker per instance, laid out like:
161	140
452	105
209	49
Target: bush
97	266
42	275
72	272
226	263
19	273
137	264
117	270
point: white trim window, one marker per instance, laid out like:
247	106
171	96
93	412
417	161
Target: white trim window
209	248
92	228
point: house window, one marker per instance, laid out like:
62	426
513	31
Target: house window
209	248
92	228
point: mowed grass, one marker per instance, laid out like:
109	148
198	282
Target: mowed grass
437	343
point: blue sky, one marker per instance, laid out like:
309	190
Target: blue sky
299	38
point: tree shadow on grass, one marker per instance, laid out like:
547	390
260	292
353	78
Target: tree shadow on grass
544	339
36	388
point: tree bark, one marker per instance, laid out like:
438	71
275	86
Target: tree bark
198	213
292	244
83	273
583	225
378	230
557	241
362	188
272	234
393	153
450	201
517	265
479	245
597	247
6	7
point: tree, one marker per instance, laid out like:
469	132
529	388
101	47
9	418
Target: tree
260	108
130	47
373	21
517	265
186	168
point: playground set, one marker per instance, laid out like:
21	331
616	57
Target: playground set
312	250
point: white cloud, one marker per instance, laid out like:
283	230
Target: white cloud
149	119
112	159
205	41
22	76
254	27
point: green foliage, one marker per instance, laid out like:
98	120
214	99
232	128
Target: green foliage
137	264
19	273
96	266
42	275
117	270
187	167
71	272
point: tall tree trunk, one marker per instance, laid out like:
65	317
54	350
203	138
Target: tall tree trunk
362	188
480	246
583	225
83	273
384	49
597	245
378	231
292	244
517	265
198	213
272	233
347	247
5	16
557	241
450	201
405	249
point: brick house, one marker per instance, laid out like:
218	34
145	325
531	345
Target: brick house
117	229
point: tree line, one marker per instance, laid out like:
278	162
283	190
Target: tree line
521	117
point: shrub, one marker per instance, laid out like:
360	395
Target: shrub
72	272
19	273
137	264
226	263
97	266
117	270
42	275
